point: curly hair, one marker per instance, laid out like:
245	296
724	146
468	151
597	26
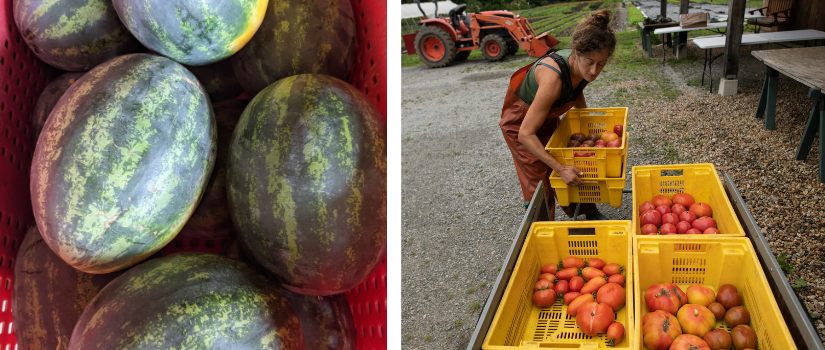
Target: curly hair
593	33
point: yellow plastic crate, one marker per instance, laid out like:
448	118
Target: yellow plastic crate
518	324
711	262
592	190
699	180
608	161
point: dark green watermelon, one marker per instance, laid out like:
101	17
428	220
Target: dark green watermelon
211	218
297	37
327	322
189	301
48	295
192	32
49	97
307	183
219	80
73	35
122	162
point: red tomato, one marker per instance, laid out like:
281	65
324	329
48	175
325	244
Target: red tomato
683	227
646	206
593	285
693	231
704	223
678	209
612	269
668	229
742	337
701	209
576	283
549	268
561	288
596	263
684	199
662	200
670	218
574	306
718	339
651	217
717	309
650	229
615	334
590	273
659	297
660	329
548	276
711	231
737	315
572	261
728	296
569	297
542	285
617	279
687	216
612	295
689	342
567	273
594	318
544	298
663	209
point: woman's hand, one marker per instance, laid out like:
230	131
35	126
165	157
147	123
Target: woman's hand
570	175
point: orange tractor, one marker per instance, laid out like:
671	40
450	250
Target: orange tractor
497	33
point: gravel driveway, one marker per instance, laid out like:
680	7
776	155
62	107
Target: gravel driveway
462	201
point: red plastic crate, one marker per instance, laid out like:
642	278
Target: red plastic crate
23	76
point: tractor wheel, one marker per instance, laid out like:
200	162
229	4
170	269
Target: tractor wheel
435	47
461	55
512	47
493	47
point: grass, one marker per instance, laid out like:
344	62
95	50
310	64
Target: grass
634	16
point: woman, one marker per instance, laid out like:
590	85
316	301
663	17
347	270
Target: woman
540	93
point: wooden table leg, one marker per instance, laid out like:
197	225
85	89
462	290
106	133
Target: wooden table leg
763	96
773	82
649	44
811	127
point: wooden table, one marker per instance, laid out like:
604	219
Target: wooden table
645	29
804	65
718	26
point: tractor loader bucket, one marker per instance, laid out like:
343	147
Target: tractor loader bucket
540	44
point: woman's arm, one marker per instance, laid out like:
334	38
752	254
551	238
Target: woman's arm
548	92
580	102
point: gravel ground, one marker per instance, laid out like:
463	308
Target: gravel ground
462	201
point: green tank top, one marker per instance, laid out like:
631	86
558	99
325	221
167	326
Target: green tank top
528	88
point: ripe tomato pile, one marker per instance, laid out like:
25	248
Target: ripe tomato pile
593	292
606	139
680	215
696	313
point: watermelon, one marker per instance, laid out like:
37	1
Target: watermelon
327	322
48	295
211	218
189	301
307	183
73	35
320	38
122	162
192	32
49	97
219	80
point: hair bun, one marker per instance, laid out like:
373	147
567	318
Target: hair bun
600	19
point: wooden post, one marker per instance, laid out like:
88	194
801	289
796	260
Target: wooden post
681	50
733	40
663	10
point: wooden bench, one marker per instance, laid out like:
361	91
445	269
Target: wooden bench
777	12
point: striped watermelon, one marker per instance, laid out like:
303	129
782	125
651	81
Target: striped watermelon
122	162
73	35
189	301
48	295
219	80
320	38
49	97
307	183
192	32
327	322
211	218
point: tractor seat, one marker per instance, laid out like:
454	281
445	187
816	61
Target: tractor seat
454	19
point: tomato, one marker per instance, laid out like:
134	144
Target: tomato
683	227
695	319
542	285
593	285
662	200
567	273
663	209
594	318
684	199
544	298
711	231
693	231
574	306
617	279
612	295
728	296
670	218
646	206
561	288
576	283
615	333
718	339
650	229
569	297
572	261
689	342
660	329
651	217
590	273
701	209
612	269
596	263
679	292
704	223
737	315
547	276
550	268
678	209
743	336
717	309
659	297
668	229
699	294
